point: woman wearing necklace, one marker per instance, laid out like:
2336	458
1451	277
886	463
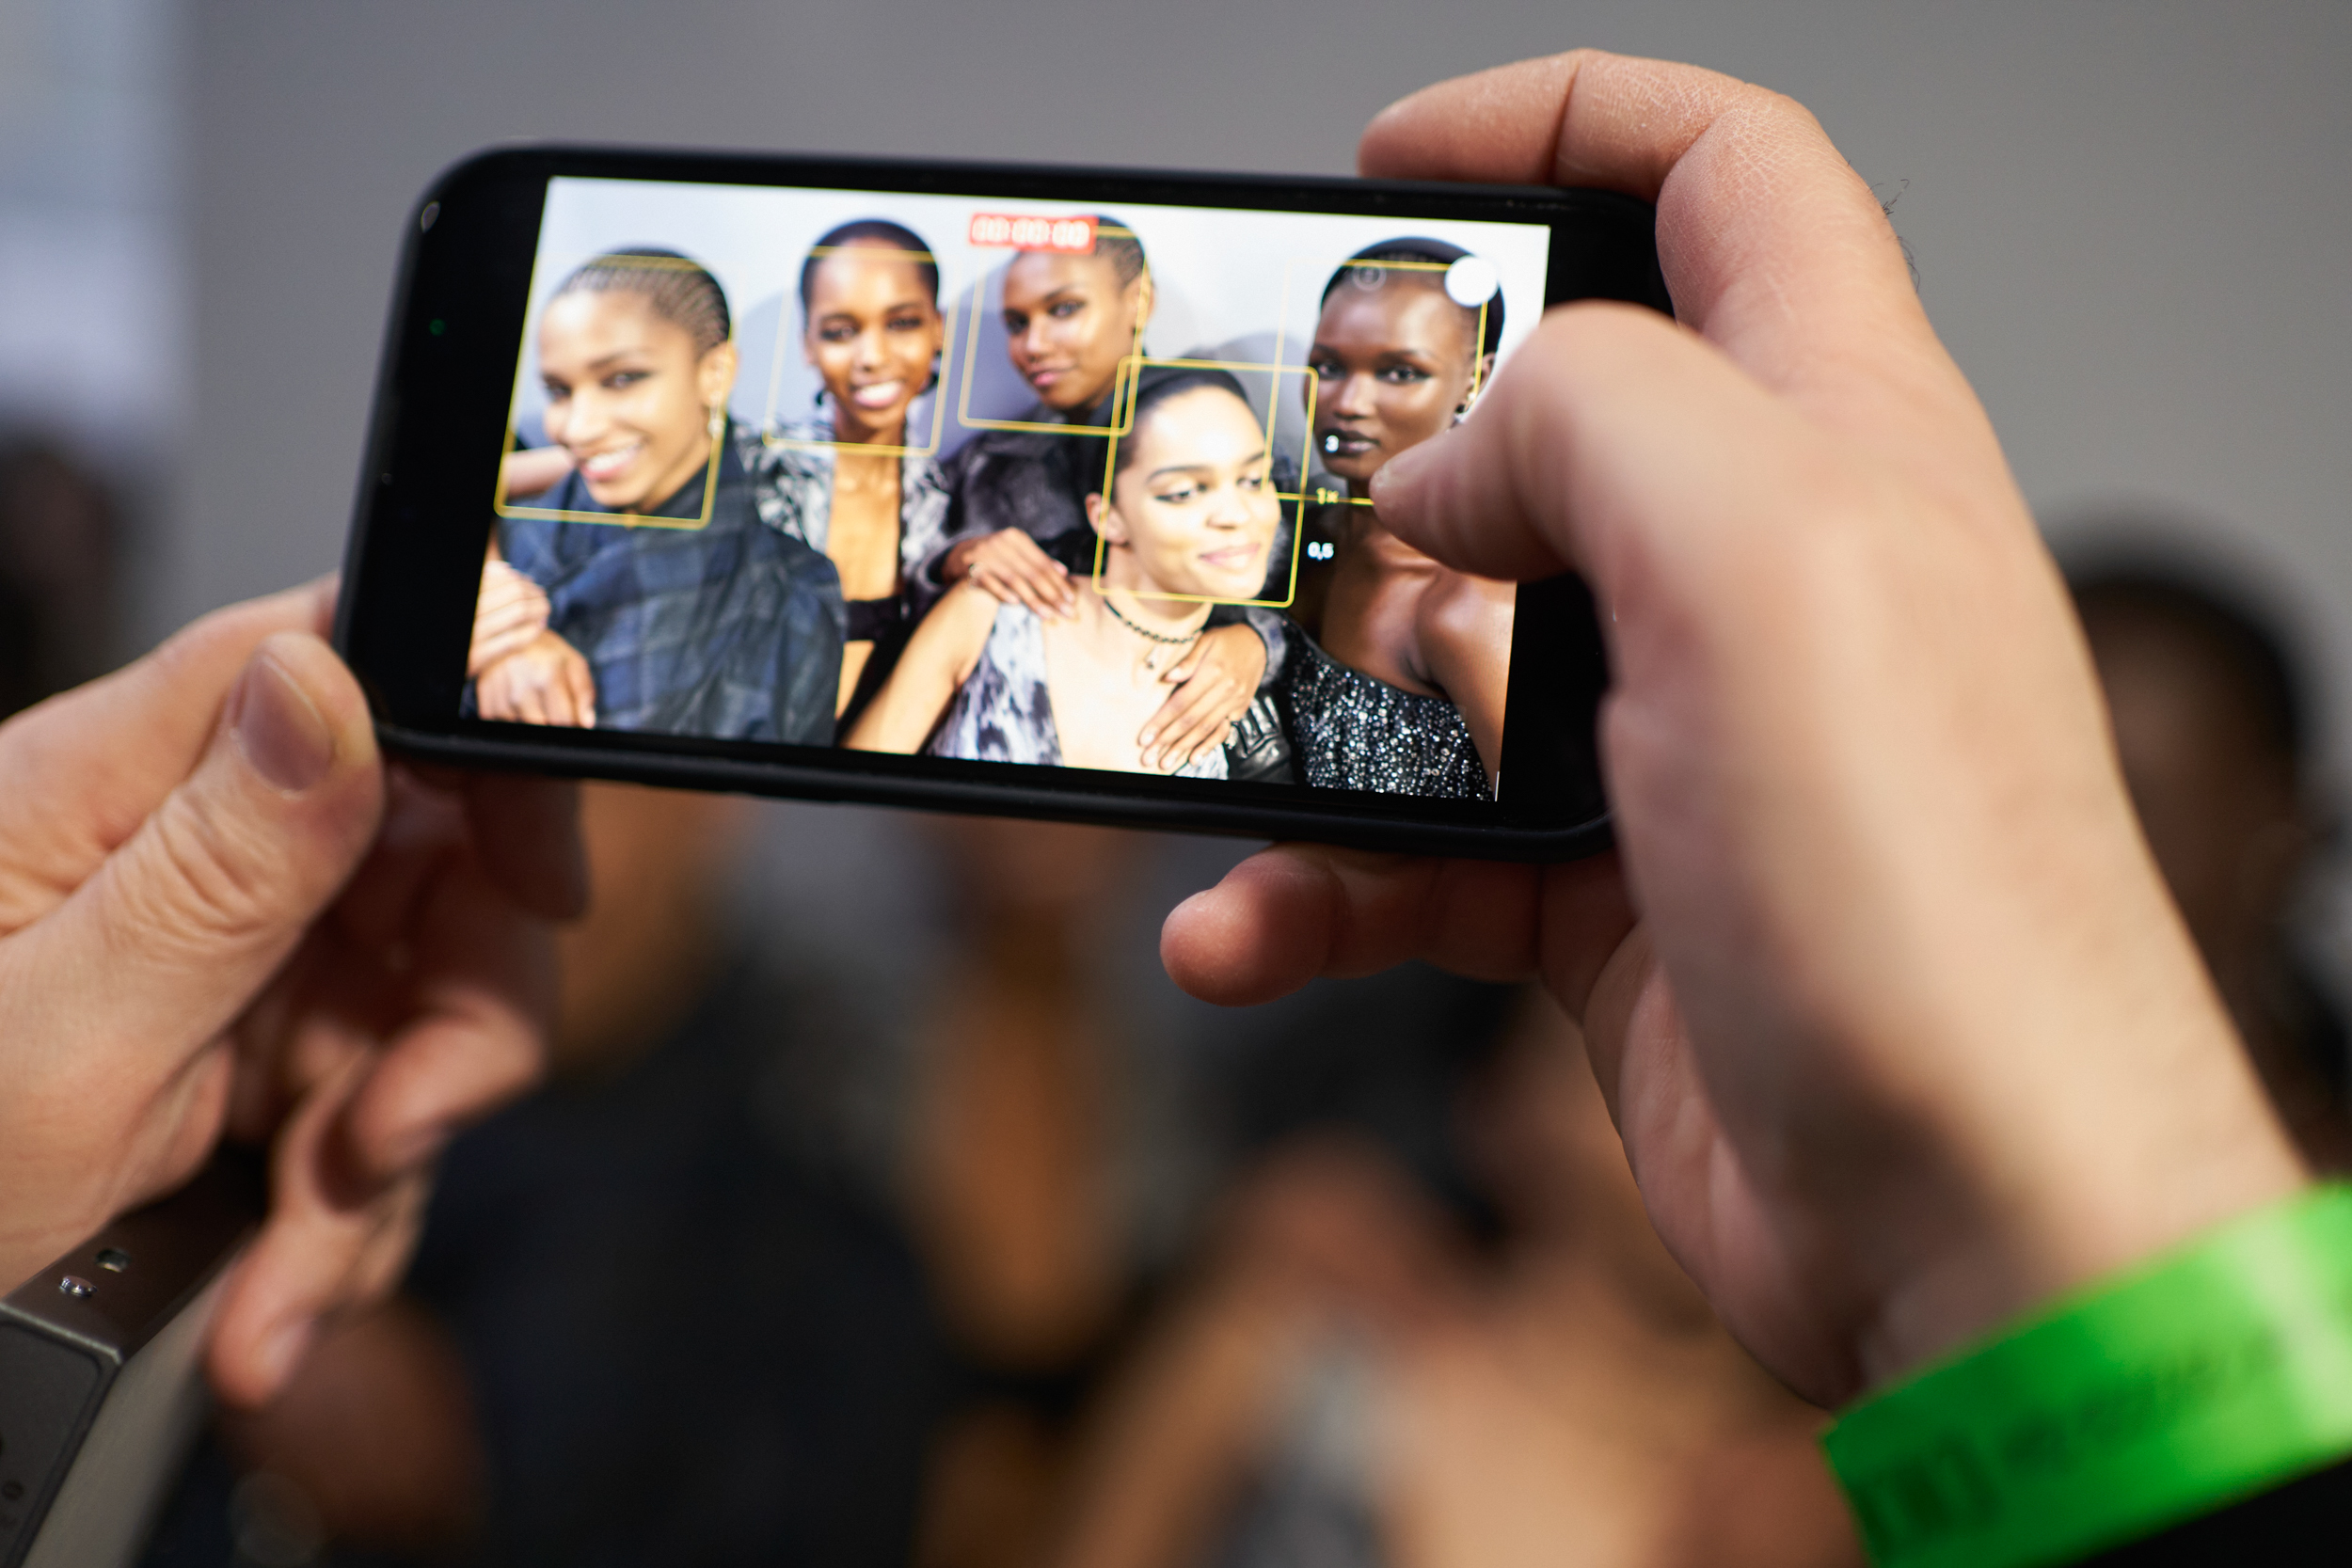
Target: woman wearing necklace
1190	519
1401	687
869	298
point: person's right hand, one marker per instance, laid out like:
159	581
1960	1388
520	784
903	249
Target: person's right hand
509	614
1900	1029
545	682
1015	569
1216	683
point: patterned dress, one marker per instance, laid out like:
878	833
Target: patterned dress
1004	712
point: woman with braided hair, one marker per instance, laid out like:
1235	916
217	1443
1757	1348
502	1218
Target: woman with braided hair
642	591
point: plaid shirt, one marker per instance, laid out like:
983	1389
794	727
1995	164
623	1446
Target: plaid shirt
731	631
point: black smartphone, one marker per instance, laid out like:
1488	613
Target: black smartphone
1027	491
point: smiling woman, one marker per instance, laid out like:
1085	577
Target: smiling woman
850	484
1190	520
642	592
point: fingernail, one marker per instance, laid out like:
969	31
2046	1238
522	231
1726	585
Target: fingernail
283	1350
282	736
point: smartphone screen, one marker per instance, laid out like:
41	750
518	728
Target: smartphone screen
1046	489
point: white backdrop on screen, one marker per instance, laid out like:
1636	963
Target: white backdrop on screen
1226	283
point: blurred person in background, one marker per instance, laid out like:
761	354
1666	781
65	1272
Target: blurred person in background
787	1264
60	543
1056	1207
2212	719
1014	1171
649	1325
1364	1374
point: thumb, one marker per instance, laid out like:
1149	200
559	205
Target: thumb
183	925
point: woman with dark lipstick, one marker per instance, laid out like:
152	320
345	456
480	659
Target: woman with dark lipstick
1402	688
643	593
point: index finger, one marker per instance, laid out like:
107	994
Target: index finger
1773	247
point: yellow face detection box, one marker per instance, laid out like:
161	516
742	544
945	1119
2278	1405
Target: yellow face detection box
770	421
500	505
971	336
1131	371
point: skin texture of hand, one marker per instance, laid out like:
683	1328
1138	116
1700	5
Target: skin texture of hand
218	912
1014	567
509	616
545	682
1899	1027
1215	687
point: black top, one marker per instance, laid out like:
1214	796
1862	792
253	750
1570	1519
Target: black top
2308	1520
1032	480
1350	731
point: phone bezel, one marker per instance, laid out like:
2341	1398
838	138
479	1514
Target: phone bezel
446	377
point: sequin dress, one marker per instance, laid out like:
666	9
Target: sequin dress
1349	731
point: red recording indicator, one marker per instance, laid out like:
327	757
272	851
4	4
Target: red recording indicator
1027	231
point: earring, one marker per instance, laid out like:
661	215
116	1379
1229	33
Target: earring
718	420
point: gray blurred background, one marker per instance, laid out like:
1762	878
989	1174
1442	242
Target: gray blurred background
2130	220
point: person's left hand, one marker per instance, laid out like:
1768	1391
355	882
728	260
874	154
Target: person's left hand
218	912
509	614
547	681
1214	685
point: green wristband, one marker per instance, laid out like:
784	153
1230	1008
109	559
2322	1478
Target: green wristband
2209	1374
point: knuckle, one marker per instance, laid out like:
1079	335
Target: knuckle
207	884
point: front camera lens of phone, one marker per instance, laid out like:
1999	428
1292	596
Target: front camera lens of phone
114	1260
75	1286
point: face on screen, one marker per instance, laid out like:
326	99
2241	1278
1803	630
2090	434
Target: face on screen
873	333
628	396
1068	323
1092	551
1393	362
1192	509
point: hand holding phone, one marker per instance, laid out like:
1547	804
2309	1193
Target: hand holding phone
1881	984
